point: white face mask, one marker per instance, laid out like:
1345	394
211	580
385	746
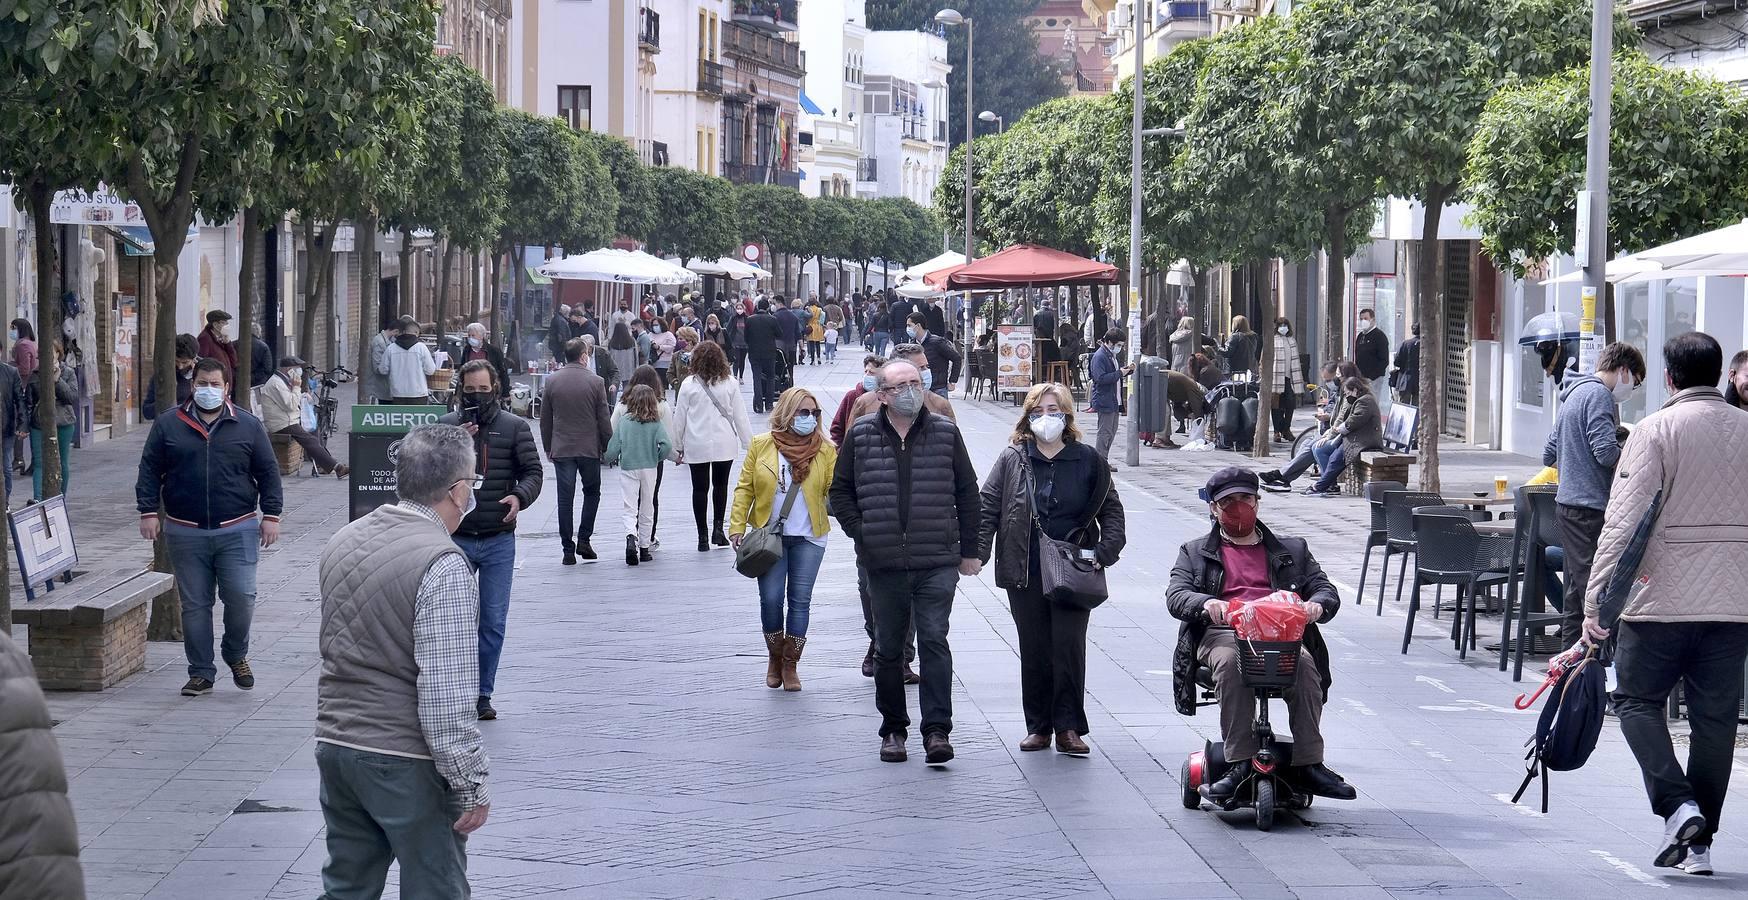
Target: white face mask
1623	387
1282	331
1365	324
1047	427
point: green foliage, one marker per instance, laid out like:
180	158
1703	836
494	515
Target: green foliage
557	185
830	234
911	233
630	181
1011	76
693	215
1169	90
462	176
1042	181
1678	160
773	215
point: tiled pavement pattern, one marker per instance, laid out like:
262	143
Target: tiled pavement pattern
639	755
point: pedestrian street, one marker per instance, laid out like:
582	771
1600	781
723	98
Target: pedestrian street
638	754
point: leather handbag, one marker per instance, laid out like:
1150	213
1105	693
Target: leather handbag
762	547
1066	577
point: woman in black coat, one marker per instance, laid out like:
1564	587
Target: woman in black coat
1048	479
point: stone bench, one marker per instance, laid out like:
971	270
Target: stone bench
1376	465
91	633
288	452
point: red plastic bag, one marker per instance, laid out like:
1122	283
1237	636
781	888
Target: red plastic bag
1278	617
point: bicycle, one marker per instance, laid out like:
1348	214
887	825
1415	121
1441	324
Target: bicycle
327	407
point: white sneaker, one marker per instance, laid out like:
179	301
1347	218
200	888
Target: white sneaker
1699	861
1682	826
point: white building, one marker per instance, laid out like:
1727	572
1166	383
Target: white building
904	120
589	63
686	113
834	34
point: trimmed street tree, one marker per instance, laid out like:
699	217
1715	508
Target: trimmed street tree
693	215
630	181
772	215
547	198
1678	160
462	180
1042	182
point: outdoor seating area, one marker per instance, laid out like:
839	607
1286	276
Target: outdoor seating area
90	633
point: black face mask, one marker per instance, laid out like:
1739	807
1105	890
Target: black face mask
478	407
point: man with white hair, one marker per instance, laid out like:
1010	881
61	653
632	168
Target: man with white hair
474	346
402	766
558	331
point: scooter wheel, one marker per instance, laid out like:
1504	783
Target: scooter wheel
1265	804
1192	798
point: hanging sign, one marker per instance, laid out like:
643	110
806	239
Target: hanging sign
99	207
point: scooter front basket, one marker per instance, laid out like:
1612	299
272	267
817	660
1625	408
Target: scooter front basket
1268	664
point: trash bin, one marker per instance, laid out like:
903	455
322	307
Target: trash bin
1154	414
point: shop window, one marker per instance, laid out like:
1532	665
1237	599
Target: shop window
1632	302
1531	381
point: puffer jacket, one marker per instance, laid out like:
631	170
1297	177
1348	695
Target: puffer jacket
39	841
1687	457
1007	519
909	503
510	461
1199	576
1360	427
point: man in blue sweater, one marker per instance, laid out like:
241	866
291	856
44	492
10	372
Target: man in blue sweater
1584	446
1107	387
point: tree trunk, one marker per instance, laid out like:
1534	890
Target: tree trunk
48	332
405	303
449	249
1335	314
1265	394
1429	312
369	294
166	621
246	273
333	318
497	287
315	279
512	348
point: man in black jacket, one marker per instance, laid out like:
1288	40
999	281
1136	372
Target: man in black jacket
1240	559
943	356
558	331
209	481
1405	371
1371	352
509	464
763	334
905	492
473	345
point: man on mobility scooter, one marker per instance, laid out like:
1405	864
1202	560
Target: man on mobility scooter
1240	559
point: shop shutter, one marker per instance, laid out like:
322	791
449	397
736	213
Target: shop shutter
1459	301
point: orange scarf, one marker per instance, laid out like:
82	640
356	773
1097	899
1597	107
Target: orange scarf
799	450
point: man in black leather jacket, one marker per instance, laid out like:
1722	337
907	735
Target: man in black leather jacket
1240	559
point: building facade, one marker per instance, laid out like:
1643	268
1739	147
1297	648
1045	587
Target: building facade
763	68
686	113
904	113
835	34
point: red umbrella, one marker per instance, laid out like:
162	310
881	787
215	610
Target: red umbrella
1025	265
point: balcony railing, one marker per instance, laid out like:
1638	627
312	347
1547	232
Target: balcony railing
745	43
753	173
868	169
771	15
649	30
709	77
1183	9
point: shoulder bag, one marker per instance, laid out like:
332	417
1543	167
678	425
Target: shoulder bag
1066	577
733	425
762	547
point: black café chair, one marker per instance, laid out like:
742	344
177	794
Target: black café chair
1399	538
1379	536
1538	529
1450	551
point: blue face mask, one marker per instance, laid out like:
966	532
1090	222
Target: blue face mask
209	398
804	425
870	383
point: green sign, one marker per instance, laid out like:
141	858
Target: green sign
394	419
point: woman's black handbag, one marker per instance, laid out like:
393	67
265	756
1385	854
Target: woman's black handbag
762	547
1066	577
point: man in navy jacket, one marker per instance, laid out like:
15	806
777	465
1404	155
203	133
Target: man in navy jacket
209	482
1107	385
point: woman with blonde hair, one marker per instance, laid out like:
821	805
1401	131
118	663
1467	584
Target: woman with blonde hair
793	455
1183	343
1241	347
1049	482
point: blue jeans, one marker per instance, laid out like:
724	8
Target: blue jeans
494	555
209	564
379	809
796	571
6	453
880	342
1331	461
64	437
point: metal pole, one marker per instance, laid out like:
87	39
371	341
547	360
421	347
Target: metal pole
1595	200
1132	442
970	241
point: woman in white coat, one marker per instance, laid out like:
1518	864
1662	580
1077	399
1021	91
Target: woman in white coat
711	431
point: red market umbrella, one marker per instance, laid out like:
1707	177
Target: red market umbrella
1025	265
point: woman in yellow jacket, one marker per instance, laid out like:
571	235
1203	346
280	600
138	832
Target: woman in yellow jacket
795	451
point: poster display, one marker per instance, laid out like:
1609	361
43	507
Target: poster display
375	444
127	334
1013	358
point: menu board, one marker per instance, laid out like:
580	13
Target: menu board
1013	358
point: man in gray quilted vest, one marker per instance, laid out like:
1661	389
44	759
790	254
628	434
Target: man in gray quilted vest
905	492
397	745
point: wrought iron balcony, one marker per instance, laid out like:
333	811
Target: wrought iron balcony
768	15
753	173
649	30
756	46
709	77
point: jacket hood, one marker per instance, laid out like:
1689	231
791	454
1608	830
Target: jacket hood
1573	383
406	341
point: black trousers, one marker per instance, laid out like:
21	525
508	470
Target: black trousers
1706	658
1282	412
655	502
1580	529
567	471
738	356
924	596
868	616
764	382
1052	660
706	476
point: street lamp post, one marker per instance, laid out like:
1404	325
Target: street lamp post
1001	124
952	17
1592	243
1132	443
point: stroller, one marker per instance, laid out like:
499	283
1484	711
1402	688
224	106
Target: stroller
1233	405
1269	632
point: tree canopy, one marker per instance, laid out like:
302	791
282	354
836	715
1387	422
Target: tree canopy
693	215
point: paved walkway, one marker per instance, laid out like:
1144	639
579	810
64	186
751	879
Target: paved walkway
639	754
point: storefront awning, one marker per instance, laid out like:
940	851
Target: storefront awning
808	106
136	240
534	276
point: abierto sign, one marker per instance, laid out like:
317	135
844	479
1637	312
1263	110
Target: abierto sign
374	446
393	419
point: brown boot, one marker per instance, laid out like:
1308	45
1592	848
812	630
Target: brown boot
774	642
791	655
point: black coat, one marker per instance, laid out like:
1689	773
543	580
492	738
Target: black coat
909	504
762	336
558	333
507	456
1407	378
788	325
1006	515
944	357
1371	353
262	365
1199	577
12	406
896	314
938	320
457	351
208	476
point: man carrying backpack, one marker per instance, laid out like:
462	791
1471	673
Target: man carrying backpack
1671	550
